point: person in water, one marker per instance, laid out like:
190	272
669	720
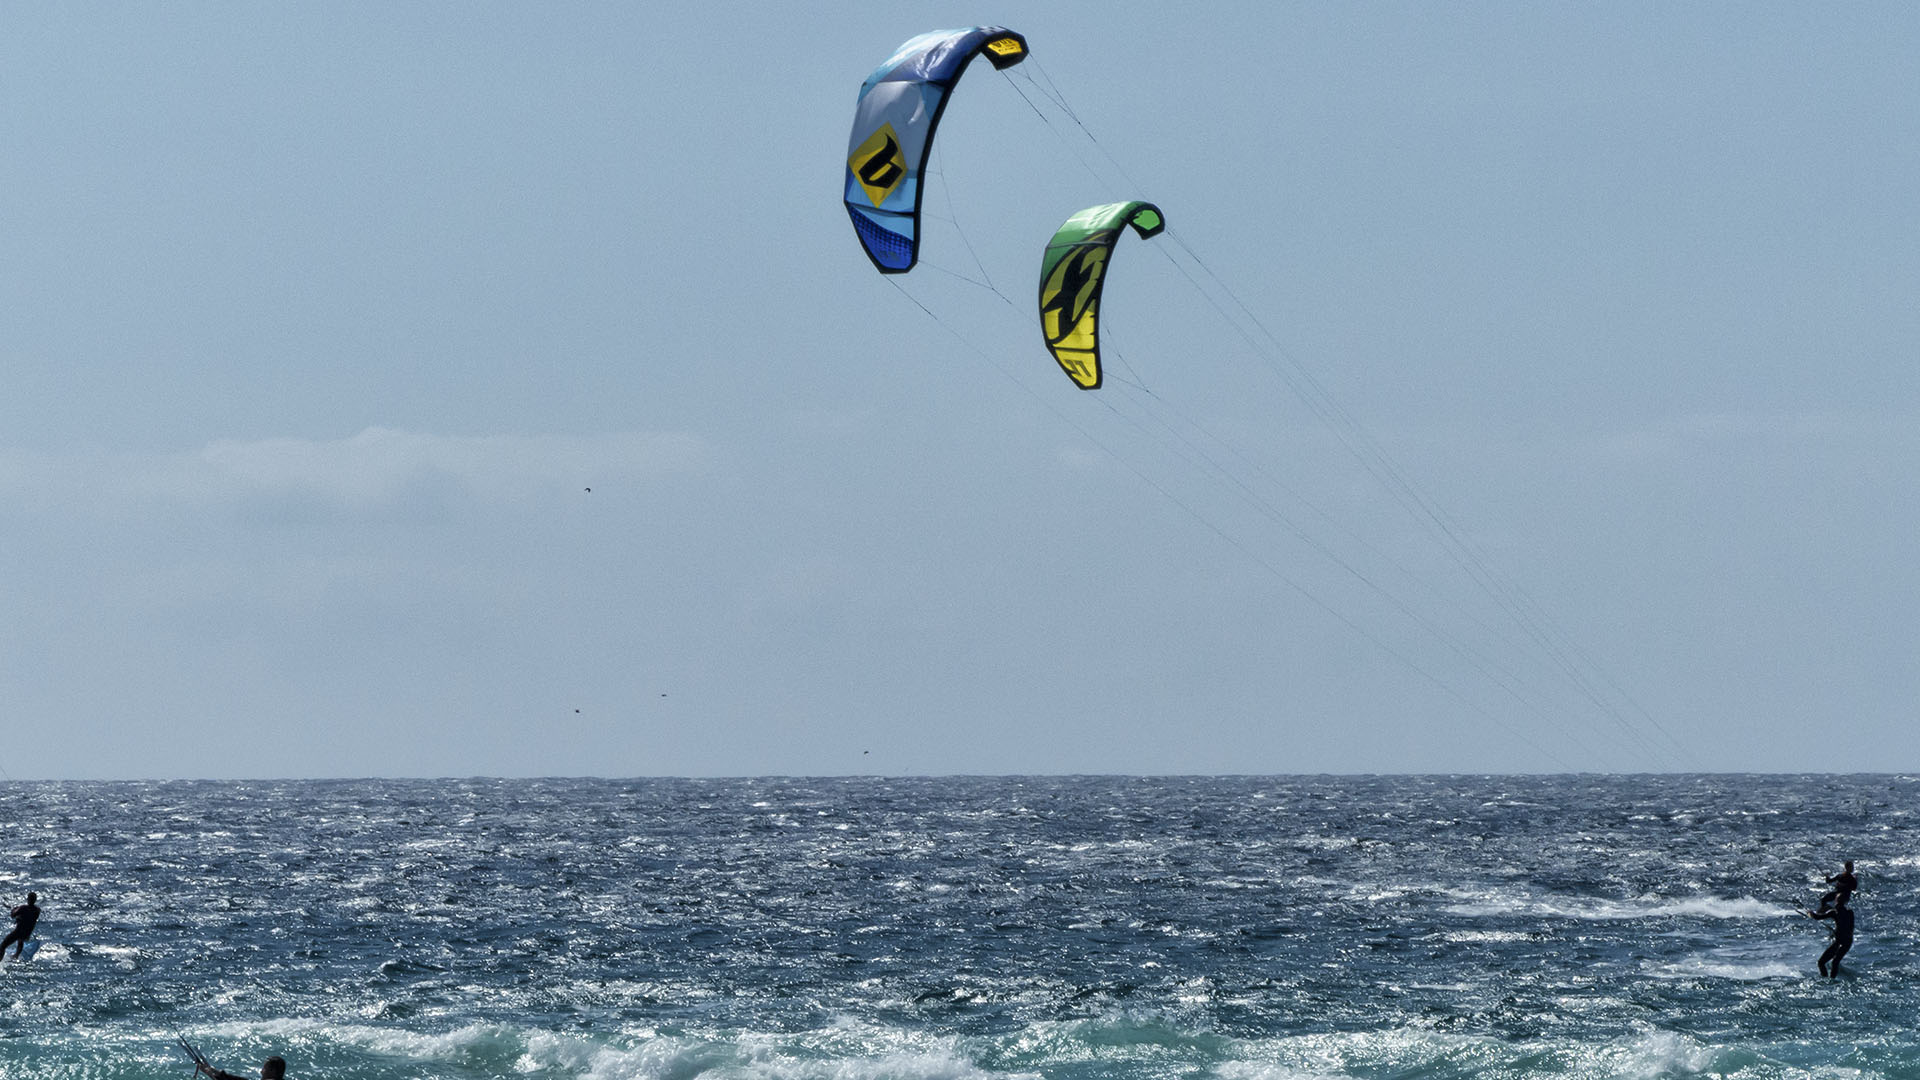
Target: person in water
1842	917
1844	883
274	1068
24	917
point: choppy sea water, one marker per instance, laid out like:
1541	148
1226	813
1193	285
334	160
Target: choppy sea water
1303	928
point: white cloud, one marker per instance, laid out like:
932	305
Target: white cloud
1689	434
376	467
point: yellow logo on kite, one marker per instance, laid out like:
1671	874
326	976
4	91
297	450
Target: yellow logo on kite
879	164
1005	46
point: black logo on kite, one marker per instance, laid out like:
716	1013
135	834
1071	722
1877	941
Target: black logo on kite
883	169
878	164
1078	284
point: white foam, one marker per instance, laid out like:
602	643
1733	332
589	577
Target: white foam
1409	1051
597	1060
1751	962
848	1050
1268	1070
1656	1054
1602	909
1484	937
1710	967
460	1043
1334	1056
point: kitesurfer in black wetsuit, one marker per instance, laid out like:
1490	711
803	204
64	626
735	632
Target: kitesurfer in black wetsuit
1844	883
1842	917
274	1068
24	917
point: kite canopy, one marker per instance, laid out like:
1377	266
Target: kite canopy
1071	275
893	124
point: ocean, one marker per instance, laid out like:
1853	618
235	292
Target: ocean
1295	928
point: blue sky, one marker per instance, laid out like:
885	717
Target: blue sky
319	323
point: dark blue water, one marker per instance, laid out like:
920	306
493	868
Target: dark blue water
1388	928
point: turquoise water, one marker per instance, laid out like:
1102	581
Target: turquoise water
1307	928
